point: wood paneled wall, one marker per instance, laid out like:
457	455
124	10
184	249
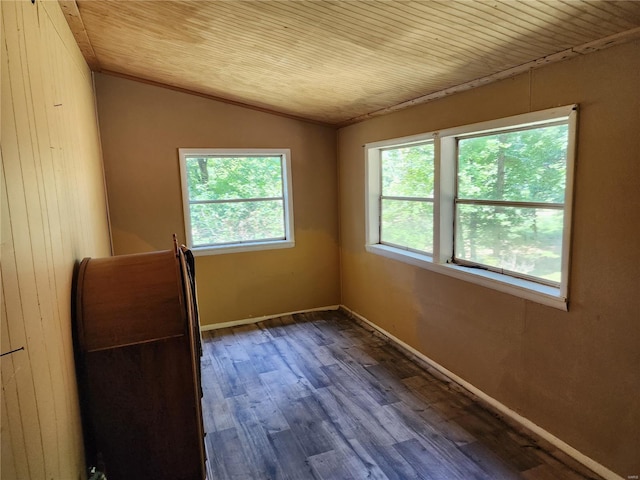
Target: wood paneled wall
53	214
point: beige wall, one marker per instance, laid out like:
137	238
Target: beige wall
143	126
575	374
53	214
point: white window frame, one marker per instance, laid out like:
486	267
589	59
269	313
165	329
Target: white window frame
445	147
240	246
407	142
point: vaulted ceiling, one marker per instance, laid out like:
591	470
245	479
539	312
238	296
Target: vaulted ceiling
337	62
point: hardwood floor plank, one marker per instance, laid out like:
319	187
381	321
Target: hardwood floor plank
262	355
276	326
254	334
293	462
489	462
347	460
355	352
328	466
453	432
550	472
266	411
366	425
477	422
302	360
344	464
231	384
285	386
226	455
435	442
258	450
375	422
521	458
235	351
426	464
302	343
416	403
565	467
362	464
368	394
310	430
390	461
246	373
339	415
306	330
377	390
316	396
217	416
221	373
395	363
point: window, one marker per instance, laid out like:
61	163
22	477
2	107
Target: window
406	199
489	203
236	200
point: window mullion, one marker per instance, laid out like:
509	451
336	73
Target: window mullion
235	200
407	199
444	201
380	219
506	203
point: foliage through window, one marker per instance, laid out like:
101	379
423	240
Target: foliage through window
510	201
236	198
406	210
493	197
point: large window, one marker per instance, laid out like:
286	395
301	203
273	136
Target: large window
489	203
510	201
236	200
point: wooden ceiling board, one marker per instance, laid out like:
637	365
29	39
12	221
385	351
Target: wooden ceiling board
334	61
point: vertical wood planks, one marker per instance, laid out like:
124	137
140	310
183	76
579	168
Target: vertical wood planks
53	214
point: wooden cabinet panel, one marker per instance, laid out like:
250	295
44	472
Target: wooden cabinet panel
138	356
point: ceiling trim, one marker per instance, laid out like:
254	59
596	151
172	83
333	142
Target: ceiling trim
217	99
72	14
584	49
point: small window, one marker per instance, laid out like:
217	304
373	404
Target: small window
236	200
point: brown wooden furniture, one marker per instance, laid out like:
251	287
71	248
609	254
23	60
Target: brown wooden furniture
138	359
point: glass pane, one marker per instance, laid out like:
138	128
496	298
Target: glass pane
522	240
214	223
214	178
407	224
523	166
408	171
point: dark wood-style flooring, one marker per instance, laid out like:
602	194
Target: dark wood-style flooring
316	396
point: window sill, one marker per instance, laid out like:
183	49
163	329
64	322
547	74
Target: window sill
241	247
526	289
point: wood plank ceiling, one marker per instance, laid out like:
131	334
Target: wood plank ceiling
339	61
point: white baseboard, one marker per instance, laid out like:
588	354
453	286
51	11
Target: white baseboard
249	321
591	464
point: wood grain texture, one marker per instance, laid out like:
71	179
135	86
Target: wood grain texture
332	61
125	297
316	396
138	363
53	214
